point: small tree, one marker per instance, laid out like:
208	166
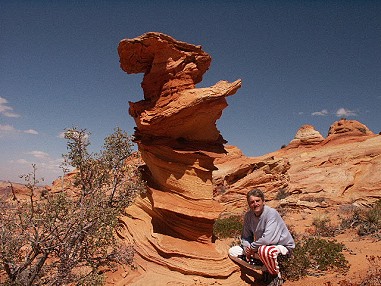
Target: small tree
61	239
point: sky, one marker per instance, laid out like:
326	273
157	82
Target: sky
300	62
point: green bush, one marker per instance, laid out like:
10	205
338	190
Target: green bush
228	227
323	226
366	221
312	256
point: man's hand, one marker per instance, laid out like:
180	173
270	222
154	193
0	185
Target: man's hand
249	253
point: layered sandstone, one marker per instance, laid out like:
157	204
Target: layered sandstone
306	135
178	140
349	127
340	169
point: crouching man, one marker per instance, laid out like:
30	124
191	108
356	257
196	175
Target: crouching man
264	236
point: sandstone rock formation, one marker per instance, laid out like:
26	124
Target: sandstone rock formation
236	174
20	192
349	127
306	135
177	136
340	169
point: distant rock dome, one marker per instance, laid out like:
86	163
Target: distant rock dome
349	127
306	135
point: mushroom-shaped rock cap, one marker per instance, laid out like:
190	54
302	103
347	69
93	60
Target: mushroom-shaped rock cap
168	65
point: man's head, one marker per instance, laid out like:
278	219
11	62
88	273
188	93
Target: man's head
256	201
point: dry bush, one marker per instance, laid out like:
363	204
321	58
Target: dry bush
64	239
367	221
313	256
323	227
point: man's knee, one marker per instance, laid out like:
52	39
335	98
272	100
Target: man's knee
235	251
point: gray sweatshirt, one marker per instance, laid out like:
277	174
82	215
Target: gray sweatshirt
267	229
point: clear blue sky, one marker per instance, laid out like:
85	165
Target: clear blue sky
301	62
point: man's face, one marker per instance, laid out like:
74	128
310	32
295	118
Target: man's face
256	204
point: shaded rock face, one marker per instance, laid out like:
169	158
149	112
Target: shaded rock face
178	139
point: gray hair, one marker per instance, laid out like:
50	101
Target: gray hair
255	193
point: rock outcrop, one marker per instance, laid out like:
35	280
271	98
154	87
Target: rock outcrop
178	139
349	127
236	174
306	135
340	169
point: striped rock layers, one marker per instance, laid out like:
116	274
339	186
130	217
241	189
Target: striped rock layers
178	139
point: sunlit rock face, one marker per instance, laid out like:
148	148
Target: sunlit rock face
349	127
311	172
306	135
178	139
238	174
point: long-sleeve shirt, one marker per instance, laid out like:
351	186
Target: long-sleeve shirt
267	229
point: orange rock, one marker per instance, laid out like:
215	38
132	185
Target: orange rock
178	139
306	135
349	127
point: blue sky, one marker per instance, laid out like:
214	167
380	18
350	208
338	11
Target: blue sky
301	62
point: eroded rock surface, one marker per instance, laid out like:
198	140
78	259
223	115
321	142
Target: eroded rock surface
308	173
349	127
178	139
306	135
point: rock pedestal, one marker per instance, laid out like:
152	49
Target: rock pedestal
178	139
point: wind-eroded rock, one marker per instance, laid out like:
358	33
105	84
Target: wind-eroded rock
178	139
349	127
310	172
306	135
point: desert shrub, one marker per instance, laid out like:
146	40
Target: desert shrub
313	256
325	254
323	226
313	199
63	239
295	266
366	221
282	194
351	217
228	227
372	220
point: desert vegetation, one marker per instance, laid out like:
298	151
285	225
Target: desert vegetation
63	238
